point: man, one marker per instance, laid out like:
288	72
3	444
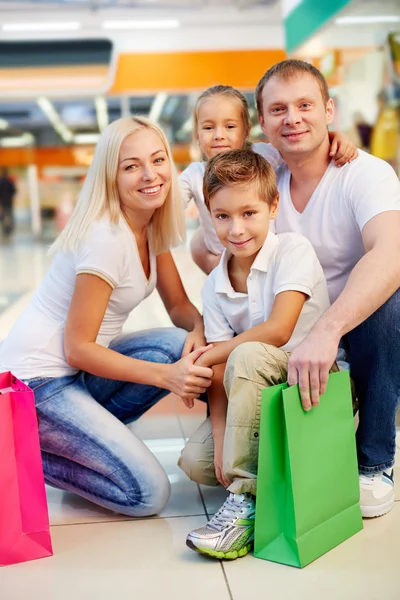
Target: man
352	217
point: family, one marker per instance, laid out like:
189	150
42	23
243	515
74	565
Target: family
300	241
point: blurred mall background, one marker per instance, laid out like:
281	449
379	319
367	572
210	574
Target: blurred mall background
69	67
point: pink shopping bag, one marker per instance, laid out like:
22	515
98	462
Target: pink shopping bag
24	519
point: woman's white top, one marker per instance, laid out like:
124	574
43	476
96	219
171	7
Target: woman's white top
35	345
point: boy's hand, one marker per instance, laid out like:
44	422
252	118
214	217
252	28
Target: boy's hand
342	149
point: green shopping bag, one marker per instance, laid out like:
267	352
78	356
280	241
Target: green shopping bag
307	483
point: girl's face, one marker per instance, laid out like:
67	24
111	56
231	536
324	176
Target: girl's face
144	173
220	125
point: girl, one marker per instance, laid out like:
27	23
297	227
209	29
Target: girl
221	122
88	380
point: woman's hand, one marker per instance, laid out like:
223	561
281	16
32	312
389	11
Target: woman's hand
187	380
342	149
195	339
218	456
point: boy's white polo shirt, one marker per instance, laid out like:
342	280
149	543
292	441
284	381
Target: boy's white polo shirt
286	262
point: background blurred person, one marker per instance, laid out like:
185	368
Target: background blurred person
7	193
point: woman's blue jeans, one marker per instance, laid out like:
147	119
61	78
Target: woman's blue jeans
86	447
374	351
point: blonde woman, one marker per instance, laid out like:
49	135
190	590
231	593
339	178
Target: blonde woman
88	380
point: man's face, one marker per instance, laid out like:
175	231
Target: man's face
295	117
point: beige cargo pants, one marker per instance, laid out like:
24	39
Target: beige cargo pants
251	367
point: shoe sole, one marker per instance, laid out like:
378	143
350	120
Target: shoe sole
220	555
369	512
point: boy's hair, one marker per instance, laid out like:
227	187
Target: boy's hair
225	91
239	167
286	70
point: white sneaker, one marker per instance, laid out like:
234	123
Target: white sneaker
376	493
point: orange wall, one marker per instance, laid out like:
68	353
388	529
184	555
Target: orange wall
182	71
66	156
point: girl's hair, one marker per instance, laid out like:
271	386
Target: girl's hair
226	91
239	167
99	194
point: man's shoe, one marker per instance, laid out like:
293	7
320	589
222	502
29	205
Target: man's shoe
230	533
376	493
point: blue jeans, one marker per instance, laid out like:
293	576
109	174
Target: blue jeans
374	349
86	447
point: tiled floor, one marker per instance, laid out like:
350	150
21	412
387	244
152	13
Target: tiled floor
102	556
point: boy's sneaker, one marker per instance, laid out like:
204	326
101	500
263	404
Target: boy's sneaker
376	493
230	533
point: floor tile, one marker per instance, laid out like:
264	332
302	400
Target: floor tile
157	426
144	559
362	568
213	497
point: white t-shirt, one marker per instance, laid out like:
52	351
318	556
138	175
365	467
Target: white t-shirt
35	345
285	262
191	185
345	199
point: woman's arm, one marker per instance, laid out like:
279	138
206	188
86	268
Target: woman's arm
88	306
277	330
181	311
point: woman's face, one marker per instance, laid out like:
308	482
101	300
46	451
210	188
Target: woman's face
144	173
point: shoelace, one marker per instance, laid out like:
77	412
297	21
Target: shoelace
226	513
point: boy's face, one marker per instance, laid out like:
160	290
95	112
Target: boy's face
241	219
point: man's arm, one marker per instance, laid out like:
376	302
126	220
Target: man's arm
374	279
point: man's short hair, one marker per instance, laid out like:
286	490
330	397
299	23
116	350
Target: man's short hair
287	70
239	167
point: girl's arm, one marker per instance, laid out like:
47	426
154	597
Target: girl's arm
181	311
86	313
276	331
342	148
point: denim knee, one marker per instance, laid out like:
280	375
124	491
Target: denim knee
151	500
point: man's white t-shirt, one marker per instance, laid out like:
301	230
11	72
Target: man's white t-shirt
35	345
286	262
345	199
191	185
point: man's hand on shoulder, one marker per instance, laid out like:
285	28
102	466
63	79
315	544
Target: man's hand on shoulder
309	366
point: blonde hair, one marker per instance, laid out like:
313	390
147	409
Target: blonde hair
239	167
99	194
225	91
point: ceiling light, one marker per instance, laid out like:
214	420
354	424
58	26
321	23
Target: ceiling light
157	106
41	26
60	127
365	20
26	139
86	138
101	112
166	24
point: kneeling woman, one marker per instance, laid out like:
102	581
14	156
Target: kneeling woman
89	381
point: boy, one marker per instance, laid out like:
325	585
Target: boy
261	300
